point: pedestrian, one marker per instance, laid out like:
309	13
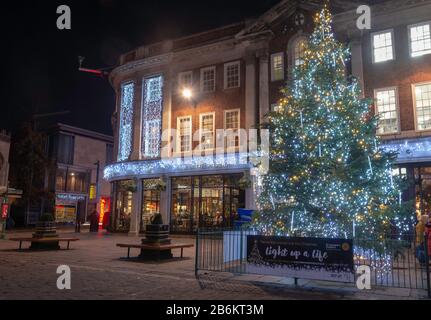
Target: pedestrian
94	221
78	222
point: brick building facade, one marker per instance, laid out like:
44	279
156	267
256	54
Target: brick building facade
229	78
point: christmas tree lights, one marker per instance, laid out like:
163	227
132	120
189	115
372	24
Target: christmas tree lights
329	175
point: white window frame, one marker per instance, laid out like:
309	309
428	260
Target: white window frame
273	56
226	66
409	28
397	101
201	115
391	31
239	125
293	50
179	134
180	78
203	70
415	107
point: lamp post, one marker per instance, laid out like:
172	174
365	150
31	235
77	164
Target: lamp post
187	94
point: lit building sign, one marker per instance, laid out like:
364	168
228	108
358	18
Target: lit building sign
105	206
410	150
4	210
70	197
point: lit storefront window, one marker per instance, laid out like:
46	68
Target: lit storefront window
205	202
123	205
151	194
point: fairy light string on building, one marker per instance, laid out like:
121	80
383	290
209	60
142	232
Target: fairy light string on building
126	121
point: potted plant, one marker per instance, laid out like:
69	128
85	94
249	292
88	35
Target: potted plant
245	182
160	185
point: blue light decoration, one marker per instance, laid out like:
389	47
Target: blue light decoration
152	108
126	121
409	150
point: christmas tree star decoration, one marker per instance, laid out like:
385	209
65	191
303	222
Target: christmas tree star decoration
328	175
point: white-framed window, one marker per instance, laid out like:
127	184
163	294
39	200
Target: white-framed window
207	130
184	134
299	48
208	79
232	122
277	66
422	100
420	39
383	46
185	80
387	110
232	77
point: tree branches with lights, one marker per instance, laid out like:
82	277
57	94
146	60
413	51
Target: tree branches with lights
328	174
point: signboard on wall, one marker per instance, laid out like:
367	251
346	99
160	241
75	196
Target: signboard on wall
304	258
4	211
65	214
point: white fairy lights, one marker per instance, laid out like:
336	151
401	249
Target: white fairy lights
125	170
152	108
126	121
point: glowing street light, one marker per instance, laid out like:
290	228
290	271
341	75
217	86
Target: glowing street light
187	93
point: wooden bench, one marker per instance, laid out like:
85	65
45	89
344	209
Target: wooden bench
158	248
44	240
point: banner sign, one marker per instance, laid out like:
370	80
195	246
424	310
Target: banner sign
65	214
304	258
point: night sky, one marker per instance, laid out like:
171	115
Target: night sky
40	62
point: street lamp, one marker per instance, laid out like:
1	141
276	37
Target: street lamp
188	94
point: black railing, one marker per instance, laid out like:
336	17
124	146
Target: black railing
393	263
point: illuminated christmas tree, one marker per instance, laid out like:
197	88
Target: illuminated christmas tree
328	174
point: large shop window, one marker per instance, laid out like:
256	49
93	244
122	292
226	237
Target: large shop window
152	116
126	121
68	181
423	106
150	201
423	190
123	205
205	202
387	110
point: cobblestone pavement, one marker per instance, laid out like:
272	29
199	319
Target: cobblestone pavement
99	273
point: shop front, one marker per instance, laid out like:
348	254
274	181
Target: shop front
189	193
68	206
205	202
195	202
414	163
